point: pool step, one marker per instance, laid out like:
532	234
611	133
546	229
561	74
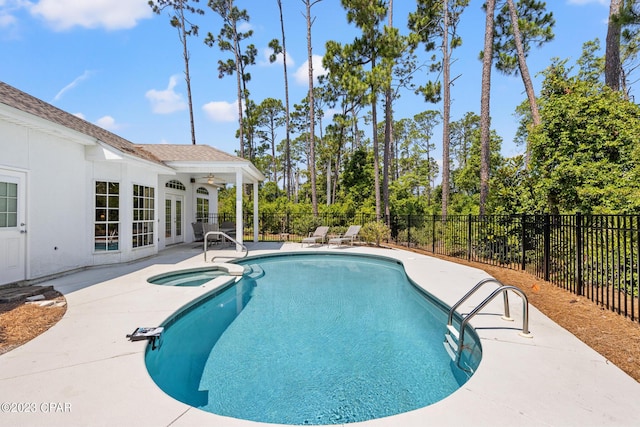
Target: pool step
453	331
451	342
256	271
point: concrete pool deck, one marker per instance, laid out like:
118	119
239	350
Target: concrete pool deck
84	372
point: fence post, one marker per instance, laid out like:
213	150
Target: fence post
523	237
409	231
433	234
579	284
469	237
546	246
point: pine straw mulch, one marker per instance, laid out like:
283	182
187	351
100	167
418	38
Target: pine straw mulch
614	336
20	322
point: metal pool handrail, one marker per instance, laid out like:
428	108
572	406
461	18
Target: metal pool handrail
226	236
459	335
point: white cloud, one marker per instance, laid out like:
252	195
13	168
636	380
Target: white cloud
80	116
266	53
221	111
244	26
6	20
73	84
301	75
107	14
108	123
166	101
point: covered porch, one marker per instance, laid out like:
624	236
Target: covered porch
202	170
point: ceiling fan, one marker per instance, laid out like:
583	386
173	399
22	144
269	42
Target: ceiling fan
211	180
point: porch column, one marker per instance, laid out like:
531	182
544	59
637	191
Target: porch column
239	225
256	216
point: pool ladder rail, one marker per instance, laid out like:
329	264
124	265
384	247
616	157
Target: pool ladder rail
454	338
226	236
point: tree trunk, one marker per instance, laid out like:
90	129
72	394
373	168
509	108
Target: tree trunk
612	53
446	109
485	107
236	51
187	75
524	70
376	145
388	134
312	142
287	150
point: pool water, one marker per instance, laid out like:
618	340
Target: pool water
318	339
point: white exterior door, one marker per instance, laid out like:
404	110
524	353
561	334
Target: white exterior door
13	229
173	215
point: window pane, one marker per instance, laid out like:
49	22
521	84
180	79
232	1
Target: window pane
114	188
3	188
114	215
101	187
3	219
101	201
100	230
12	220
12	205
3	204
101	214
12	190
113	230
114	201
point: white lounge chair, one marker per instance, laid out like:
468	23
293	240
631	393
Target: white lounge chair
349	236
319	234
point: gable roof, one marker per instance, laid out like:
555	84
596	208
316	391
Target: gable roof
188	153
29	104
189	158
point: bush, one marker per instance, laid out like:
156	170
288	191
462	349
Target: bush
375	232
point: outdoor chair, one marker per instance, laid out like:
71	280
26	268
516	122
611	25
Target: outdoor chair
198	231
319	234
214	238
349	236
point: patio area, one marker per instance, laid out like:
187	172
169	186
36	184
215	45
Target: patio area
84	372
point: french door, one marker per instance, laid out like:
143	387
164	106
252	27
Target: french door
174	222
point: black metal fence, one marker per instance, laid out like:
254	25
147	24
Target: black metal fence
595	256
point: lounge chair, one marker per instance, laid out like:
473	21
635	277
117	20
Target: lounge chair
198	232
319	234
349	236
214	238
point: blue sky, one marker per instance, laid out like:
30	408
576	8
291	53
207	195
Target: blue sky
117	65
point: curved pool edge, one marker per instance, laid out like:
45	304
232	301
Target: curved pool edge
458	371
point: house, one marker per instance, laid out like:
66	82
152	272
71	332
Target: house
73	195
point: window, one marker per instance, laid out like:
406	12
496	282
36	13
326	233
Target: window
8	204
143	215
107	216
202	204
176	185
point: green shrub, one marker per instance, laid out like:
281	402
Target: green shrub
375	232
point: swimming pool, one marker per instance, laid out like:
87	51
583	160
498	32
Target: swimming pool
316	339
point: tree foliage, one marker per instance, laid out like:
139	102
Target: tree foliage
585	154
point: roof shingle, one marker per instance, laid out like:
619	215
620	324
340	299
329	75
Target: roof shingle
29	104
